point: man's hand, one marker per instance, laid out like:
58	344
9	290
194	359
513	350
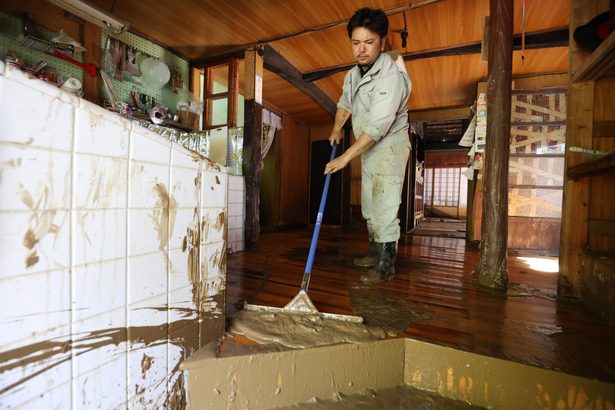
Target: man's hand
335	137
359	147
337	164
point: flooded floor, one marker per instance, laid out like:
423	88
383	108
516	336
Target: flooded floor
434	298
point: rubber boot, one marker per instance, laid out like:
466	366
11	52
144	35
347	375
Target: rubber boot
369	260
384	270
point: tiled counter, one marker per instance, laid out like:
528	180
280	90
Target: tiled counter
113	254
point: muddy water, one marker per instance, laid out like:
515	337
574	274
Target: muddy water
385	309
400	398
303	331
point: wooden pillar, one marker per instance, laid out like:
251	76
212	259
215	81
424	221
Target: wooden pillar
252	138
493	270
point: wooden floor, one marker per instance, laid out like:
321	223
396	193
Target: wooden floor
433	298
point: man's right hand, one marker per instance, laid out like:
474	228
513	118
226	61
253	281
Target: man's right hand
335	137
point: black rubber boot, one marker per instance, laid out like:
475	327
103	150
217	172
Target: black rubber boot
384	270
369	260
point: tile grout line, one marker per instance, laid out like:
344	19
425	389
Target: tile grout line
126	264
169	233
71	245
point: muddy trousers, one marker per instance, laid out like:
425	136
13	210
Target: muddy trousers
382	177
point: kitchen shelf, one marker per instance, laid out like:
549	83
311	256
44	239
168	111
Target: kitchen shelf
600	63
602	165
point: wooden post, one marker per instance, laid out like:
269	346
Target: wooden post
91	41
252	138
493	269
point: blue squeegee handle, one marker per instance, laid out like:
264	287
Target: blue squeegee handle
321	209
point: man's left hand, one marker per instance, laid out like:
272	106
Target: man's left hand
337	164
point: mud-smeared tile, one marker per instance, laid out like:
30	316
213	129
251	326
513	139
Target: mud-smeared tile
99	235
102	387
101	133
40	384
185	336
100	182
212	318
147	356
214	189
213	225
22	189
183	307
213	261
37	308
99	288
148	231
183	268
147	276
183	158
147	365
34	241
33	118
50	398
149	147
147	183
110	324
185	229
186	187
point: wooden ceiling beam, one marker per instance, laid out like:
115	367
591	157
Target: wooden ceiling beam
276	63
544	39
240	49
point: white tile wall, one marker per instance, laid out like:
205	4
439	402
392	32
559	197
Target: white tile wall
97	306
236	213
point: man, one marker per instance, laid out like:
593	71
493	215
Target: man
376	93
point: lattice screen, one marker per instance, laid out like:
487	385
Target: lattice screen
536	166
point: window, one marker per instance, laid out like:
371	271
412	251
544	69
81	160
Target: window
446	188
221	87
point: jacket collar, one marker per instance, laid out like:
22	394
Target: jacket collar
375	68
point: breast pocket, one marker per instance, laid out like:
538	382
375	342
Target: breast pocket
364	97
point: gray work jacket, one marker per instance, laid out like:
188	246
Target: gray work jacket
378	102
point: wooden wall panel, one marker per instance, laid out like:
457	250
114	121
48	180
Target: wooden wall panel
270	185
294	172
439	159
534	233
534	82
601	208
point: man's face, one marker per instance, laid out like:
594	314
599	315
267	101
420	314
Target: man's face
366	46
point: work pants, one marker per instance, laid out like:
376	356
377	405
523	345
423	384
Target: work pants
382	178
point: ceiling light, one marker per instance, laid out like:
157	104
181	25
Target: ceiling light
92	14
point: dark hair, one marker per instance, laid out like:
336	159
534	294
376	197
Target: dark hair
372	19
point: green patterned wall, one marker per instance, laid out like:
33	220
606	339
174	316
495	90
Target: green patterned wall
11	27
165	95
